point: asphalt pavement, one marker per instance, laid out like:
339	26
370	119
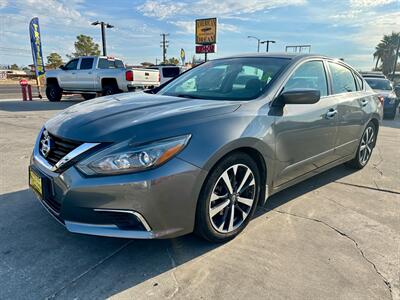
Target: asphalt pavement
334	236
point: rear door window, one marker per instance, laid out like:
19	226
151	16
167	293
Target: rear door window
86	64
342	79
310	75
360	83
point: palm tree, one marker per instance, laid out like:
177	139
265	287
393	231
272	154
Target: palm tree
385	52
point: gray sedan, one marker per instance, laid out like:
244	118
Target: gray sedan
202	151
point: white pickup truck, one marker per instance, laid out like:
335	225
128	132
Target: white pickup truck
92	75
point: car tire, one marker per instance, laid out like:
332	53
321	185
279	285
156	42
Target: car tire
365	148
53	92
110	89
222	214
88	96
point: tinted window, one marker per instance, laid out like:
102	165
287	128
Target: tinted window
170	72
86	64
379	84
342	79
310	75
226	79
72	65
110	64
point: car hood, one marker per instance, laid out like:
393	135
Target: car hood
121	116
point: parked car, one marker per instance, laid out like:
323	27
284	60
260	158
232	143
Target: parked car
167	72
92	75
385	89
373	74
195	156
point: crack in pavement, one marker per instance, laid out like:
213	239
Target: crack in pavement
52	296
387	283
173	263
368	187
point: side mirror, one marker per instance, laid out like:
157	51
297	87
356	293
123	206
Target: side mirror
300	96
62	67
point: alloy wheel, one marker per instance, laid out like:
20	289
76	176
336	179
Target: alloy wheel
232	198
367	144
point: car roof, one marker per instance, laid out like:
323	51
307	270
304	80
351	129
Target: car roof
275	55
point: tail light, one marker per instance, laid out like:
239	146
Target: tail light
381	99
129	75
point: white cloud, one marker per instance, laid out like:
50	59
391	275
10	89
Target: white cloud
165	9
3	3
371	3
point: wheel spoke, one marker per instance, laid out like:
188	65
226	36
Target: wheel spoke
227	181
371	138
244	214
363	147
246	176
214	197
246	201
231	218
218	208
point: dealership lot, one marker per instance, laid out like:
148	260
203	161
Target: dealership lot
334	236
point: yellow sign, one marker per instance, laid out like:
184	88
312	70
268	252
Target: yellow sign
35	182
206	31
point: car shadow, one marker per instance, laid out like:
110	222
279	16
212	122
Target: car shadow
392	123
36	251
37	105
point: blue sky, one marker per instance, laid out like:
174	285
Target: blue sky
344	28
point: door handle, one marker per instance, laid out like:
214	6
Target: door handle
73	73
331	113
89	72
364	102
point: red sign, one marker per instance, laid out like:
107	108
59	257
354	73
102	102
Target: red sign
23	82
205	48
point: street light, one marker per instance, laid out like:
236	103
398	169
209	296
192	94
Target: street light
258	41
267	42
103	33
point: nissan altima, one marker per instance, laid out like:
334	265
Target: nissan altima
200	152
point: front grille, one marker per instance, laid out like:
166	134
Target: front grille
59	147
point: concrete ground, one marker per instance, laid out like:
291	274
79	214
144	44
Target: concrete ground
335	236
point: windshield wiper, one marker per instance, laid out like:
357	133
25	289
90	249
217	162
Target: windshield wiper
188	96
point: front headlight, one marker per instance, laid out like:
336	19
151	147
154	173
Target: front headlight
138	159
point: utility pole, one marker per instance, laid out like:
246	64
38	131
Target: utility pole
164	45
103	33
395	59
258	41
268	42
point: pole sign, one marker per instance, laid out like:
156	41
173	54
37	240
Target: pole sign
206	48
206	31
37	53
182	55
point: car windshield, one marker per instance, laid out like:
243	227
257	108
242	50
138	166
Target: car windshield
227	79
379	84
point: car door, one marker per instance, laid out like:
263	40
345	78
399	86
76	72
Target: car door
68	76
352	107
84	75
305	133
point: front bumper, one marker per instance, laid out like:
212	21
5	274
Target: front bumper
158	203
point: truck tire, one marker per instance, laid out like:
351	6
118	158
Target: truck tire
110	89
88	96
53	92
